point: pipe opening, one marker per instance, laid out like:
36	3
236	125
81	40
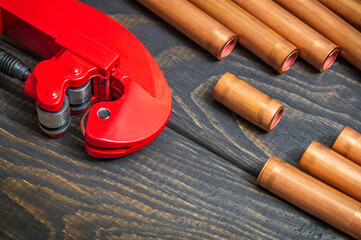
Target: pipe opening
227	49
276	118
289	61
330	59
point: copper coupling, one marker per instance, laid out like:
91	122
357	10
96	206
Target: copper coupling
248	102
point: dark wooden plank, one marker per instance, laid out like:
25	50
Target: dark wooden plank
172	189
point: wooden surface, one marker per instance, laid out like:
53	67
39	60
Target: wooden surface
197	180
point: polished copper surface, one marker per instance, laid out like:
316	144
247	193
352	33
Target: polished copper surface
330	25
248	102
312	195
348	144
350	10
252	34
195	24
313	47
333	169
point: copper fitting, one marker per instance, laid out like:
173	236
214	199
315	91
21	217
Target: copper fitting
195	24
330	25
348	144
248	102
350	10
252	34
313	47
311	195
333	169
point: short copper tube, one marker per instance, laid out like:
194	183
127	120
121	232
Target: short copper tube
312	195
330	25
333	169
248	102
195	24
350	10
313	47
348	144
252	34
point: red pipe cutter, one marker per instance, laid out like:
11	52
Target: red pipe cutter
91	60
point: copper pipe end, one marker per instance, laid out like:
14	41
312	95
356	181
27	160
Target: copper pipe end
311	195
228	47
330	59
327	23
195	24
313	47
289	61
273	161
348	144
332	168
252	34
248	102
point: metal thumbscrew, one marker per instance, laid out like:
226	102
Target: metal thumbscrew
13	67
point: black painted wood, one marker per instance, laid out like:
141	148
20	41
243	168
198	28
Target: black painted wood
197	179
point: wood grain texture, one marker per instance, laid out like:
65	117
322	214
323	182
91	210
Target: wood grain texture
181	192
197	179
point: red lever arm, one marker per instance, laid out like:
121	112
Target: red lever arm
132	101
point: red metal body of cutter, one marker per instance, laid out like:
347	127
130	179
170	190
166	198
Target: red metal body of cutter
81	43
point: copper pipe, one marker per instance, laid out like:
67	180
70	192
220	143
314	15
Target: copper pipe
333	169
330	25
195	24
248	102
252	34
311	195
348	144
350	10
313	47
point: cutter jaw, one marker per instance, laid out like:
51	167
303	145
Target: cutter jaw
131	100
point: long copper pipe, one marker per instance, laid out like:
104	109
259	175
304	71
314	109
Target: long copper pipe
311	195
313	47
348	144
248	102
195	24
330	25
253	34
333	169
350	10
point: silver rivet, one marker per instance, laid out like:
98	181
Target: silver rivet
103	113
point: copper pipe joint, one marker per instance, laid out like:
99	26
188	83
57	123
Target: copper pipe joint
195	24
311	195
333	169
350	10
313	47
328	24
348	144
252	34
248	102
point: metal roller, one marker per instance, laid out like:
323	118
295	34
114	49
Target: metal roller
54	123
79	98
